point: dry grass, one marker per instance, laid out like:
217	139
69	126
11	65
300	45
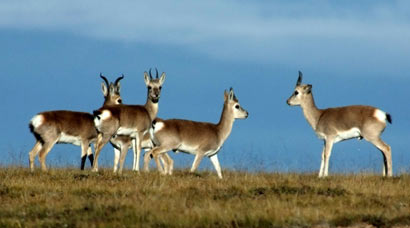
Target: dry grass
70	198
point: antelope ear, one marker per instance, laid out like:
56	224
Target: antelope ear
299	81
117	84
104	89
146	78
117	88
231	94
162	78
308	89
226	95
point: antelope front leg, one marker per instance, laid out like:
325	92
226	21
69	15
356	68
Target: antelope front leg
90	155
328	152
84	149
134	149
322	165
124	151
116	159
137	152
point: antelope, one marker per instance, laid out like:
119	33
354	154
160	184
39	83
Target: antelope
72	127
128	120
197	138
342	123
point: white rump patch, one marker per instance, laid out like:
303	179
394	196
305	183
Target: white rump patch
343	135
103	116
37	120
158	126
69	139
380	115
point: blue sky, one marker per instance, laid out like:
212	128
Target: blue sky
352	52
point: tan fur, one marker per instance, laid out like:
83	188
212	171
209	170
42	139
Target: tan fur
198	138
342	123
56	126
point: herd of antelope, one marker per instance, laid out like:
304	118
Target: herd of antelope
137	127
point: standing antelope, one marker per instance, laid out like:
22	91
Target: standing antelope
198	138
122	143
337	124
62	126
128	120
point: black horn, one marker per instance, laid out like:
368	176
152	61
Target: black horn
118	79
150	75
105	79
299	79
156	70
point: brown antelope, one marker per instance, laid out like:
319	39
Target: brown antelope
128	120
122	143
337	124
62	126
198	138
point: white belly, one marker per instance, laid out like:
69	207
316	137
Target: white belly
343	135
188	149
69	139
211	152
125	131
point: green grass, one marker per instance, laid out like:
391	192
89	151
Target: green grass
70	198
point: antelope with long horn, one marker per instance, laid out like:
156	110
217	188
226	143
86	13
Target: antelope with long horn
341	123
201	139
128	120
72	127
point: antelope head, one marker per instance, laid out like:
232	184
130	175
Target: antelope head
154	85
301	93
111	91
232	104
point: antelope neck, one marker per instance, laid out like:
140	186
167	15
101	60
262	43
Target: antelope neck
152	108
225	123
311	112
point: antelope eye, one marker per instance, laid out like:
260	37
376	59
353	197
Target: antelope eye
149	87
237	106
119	101
160	87
296	93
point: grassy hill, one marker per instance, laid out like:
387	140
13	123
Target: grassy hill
70	198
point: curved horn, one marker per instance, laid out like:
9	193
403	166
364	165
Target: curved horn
150	75
105	79
299	79
118	79
156	72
